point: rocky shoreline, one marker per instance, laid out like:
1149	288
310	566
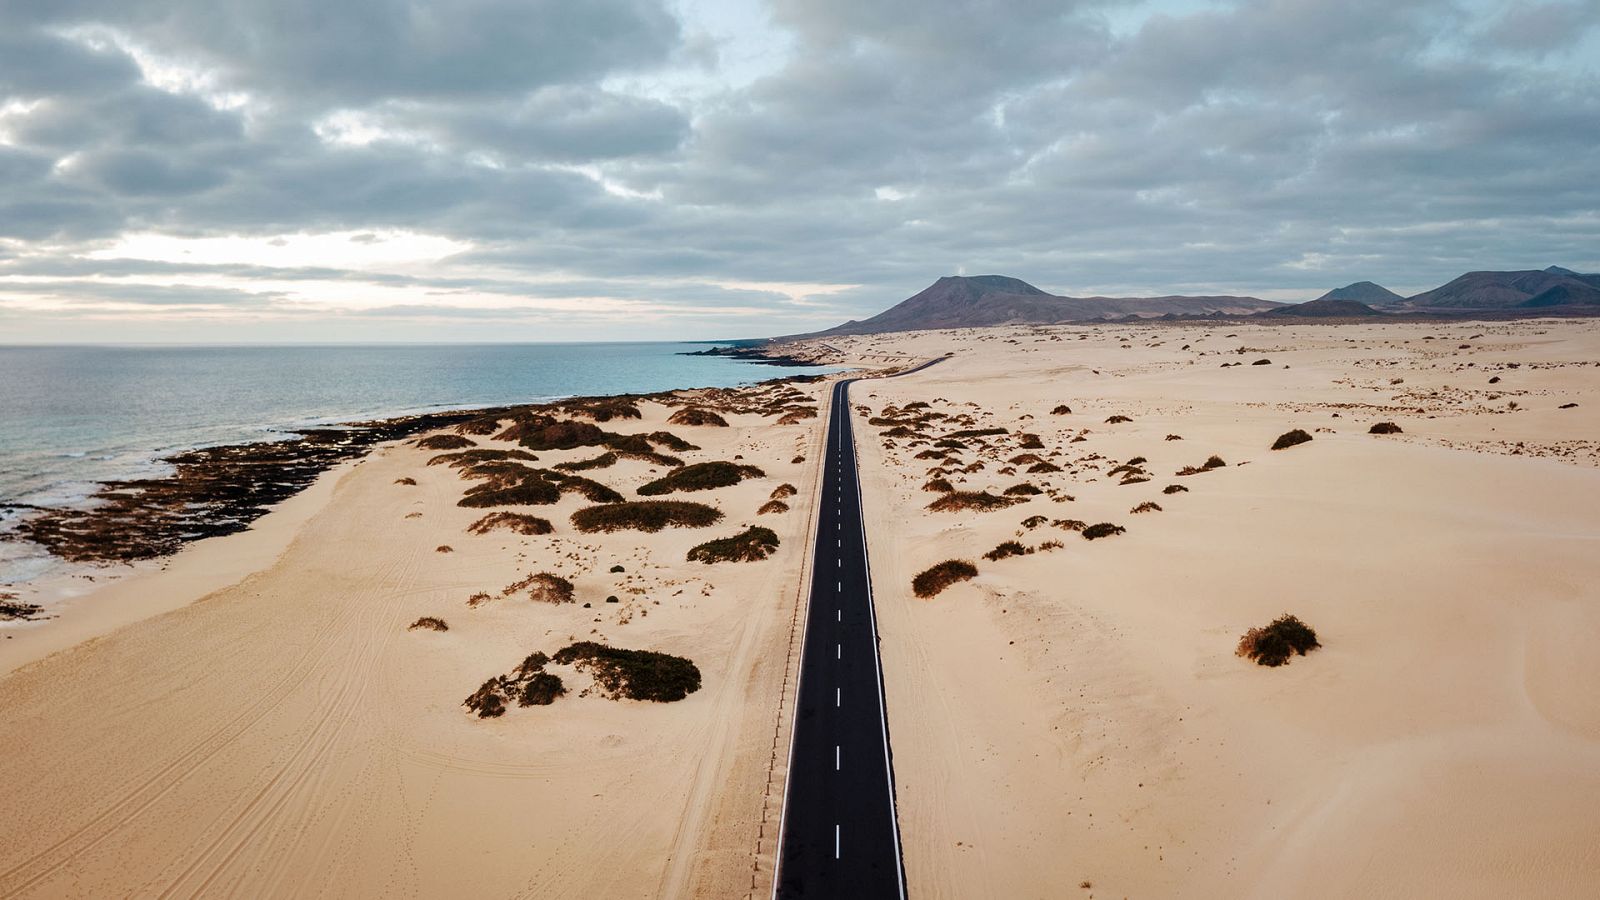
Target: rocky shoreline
758	355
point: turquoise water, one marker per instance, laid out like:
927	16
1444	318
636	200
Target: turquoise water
74	416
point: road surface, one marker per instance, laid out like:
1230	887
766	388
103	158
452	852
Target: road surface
839	837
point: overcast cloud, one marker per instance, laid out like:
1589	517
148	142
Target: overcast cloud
551	170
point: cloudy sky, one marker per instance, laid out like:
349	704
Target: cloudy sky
262	170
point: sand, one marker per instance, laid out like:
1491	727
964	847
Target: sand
1077	716
286	735
1072	722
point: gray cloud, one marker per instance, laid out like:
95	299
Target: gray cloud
1258	146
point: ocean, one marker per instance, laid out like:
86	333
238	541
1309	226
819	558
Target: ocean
72	416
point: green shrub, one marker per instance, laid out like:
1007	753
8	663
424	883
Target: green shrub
934	579
645	515
1273	645
700	477
752	544
633	674
1290	439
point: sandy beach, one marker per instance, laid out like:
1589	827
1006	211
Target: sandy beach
254	717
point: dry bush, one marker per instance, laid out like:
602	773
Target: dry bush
1033	522
430	623
942	485
445	442
1174	489
544	587
541	689
517	522
670	441
1043	468
467	458
1029	441
1102	529
1273	645
771	507
901	431
633	674
479	598
1070	524
444	548
546	433
1062	410
1174	437
489	700
783	490
1022	490
1005	549
934	579
1147	506
694	415
977	432
406	480
1025	458
1117	420
700	477
645	515
956	501
482	426
751	545
1290	439
1385	428
604	461
796	415
1262	362
1050	545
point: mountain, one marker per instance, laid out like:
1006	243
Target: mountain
1554	286
960	301
1364	292
1326	308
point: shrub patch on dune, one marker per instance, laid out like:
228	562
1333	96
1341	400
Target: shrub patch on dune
445	442
645	515
752	544
508	521
1290	439
1384	428
1274	644
956	501
633	674
700	477
934	579
1102	530
771	507
697	416
543	587
430	623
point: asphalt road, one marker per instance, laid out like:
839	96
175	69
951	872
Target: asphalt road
839	837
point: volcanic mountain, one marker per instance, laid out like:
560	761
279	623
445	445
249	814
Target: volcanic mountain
1364	292
961	301
1325	308
1522	289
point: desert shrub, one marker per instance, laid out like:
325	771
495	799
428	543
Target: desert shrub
700	477
901	431
1102	529
933	454
1384	428
517	522
750	545
478	455
1024	458
604	461
1022	490
533	491
444	548
783	490
1262	362
479	597
1147	506
1125	469
1174	489
1137	461
431	623
482	426
670	441
977	432
1005	549
590	490
546	433
1033	522
1134	479
489	700
445	442
1274	644
1043	467
604	409
1212	462
633	674
617	568
950	444
772	507
1568	406
1290	438
1050	545
1173	437
1117	420
1030	442
694	415
797	414
1062	410
1070	524
645	515
941	485
955	501
934	579
541	689
545	587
